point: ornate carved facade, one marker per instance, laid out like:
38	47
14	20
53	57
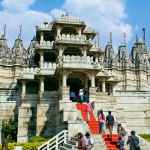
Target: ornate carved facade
35	82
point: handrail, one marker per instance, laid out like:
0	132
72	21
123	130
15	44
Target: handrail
57	139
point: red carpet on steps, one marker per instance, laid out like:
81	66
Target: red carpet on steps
112	143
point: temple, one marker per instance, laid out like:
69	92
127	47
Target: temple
35	82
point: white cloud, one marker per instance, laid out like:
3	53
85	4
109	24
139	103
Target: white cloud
23	16
136	27
57	12
16	5
103	15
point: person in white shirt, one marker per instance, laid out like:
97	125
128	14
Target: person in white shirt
90	142
81	96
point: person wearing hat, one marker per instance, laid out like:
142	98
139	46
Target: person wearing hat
121	131
90	142
88	109
121	143
133	141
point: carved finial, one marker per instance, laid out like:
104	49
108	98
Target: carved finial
140	40
62	15
67	14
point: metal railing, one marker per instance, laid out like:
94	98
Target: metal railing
55	141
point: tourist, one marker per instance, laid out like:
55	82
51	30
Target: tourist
110	121
86	94
121	131
5	142
121	143
81	96
77	99
88	109
134	141
81	143
72	96
101	122
90	142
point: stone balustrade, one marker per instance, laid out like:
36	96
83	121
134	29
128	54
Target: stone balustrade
73	58
45	26
48	65
72	39
79	62
30	70
45	44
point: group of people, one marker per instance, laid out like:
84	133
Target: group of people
82	144
110	122
83	95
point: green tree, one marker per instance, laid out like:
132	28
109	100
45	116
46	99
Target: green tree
10	127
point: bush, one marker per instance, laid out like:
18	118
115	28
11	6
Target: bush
145	136
11	129
38	139
26	146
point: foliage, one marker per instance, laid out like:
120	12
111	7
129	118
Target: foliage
145	136
26	146
10	127
38	139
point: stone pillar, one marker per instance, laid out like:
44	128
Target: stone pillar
113	89
92	81
98	85
42	37
103	85
24	87
85	52
41	56
42	84
96	58
79	31
64	83
58	30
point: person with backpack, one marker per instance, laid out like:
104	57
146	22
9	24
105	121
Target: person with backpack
101	121
134	141
90	142
81	143
110	121
121	143
121	131
88	109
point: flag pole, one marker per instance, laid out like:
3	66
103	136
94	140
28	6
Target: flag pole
98	40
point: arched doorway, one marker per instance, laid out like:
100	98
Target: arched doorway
75	85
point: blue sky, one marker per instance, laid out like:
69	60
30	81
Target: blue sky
116	16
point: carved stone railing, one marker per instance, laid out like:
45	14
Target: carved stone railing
47	68
79	62
72	39
30	70
45	26
45	44
45	65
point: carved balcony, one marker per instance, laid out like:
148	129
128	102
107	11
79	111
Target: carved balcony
78	62
47	68
44	45
29	73
74	39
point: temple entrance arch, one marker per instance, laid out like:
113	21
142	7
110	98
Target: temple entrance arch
77	80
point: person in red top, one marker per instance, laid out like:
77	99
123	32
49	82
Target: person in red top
82	143
88	109
101	121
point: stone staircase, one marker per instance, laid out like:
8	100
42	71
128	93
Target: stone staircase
101	141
